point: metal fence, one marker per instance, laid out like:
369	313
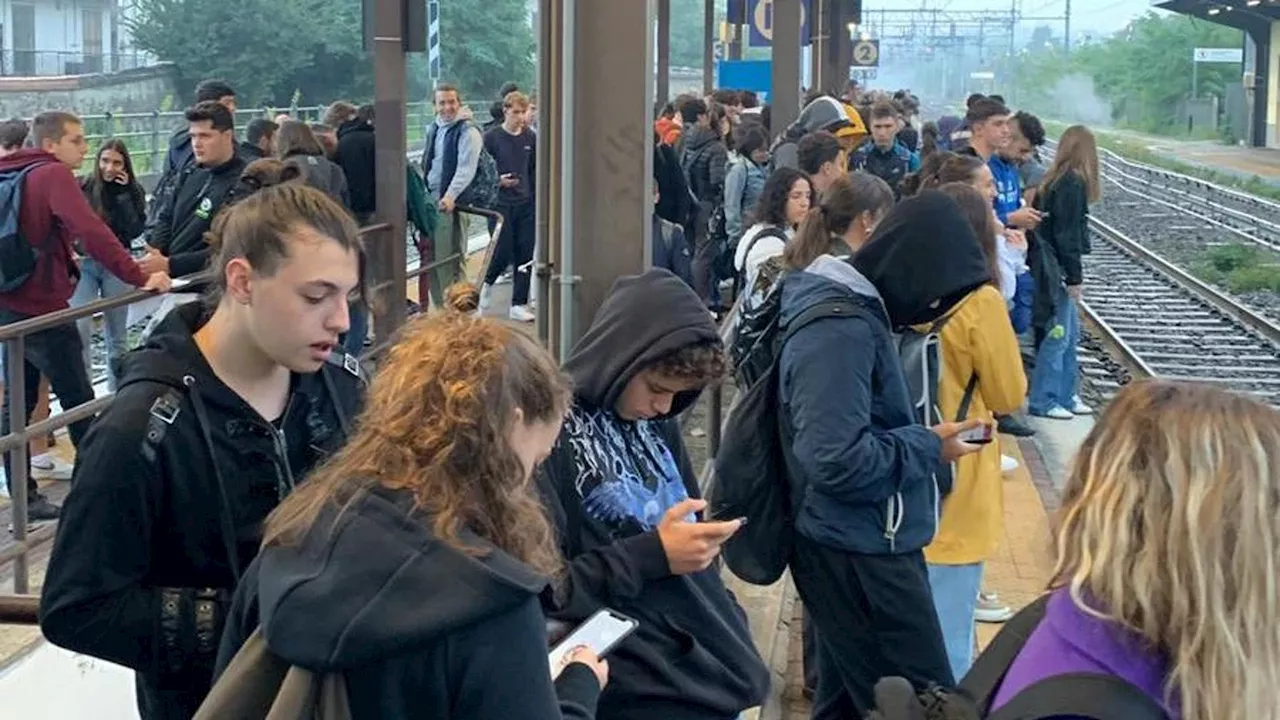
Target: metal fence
147	134
32	63
21	607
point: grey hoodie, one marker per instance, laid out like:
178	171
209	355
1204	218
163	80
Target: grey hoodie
824	113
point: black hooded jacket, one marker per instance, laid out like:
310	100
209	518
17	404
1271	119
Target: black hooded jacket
418	628
355	156
923	259
607	485
171	486
185	215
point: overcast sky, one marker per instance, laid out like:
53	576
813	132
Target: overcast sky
1104	16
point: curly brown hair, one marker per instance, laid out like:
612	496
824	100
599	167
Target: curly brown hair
703	363
435	425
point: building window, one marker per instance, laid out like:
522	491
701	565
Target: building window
91	24
24	39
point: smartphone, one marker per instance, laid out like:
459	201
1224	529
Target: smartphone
601	632
980	435
717	518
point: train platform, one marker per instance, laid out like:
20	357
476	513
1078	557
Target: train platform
1245	163
1020	569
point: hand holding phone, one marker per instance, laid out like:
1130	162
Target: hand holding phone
692	546
597	636
980	435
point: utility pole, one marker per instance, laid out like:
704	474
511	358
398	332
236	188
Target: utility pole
1066	31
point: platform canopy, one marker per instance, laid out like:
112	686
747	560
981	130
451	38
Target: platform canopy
1253	16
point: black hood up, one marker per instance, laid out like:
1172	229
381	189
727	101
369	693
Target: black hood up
643	318
923	258
378	585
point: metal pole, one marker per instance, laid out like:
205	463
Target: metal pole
1066	31
708	46
387	251
784	98
663	90
568	97
550	113
19	466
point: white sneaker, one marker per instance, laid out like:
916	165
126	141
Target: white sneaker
47	466
520	313
1007	464
486	296
1058	413
504	278
1079	408
990	610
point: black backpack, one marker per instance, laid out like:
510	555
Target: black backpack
18	256
1085	695
751	478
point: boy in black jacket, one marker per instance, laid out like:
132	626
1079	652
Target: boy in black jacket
217	417
624	497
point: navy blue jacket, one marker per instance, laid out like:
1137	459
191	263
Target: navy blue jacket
868	468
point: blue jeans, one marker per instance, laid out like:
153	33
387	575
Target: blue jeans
1056	376
97	283
955	598
353	339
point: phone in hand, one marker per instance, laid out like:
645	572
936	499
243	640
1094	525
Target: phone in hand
980	435
601	633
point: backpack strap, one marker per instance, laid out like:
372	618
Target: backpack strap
989	669
967	400
825	309
1095	696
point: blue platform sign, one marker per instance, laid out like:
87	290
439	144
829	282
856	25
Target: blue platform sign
760	21
753	75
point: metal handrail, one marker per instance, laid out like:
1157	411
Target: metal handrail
13	336
22	608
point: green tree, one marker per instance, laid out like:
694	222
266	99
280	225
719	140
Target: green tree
272	50
485	43
687	18
266	49
1143	71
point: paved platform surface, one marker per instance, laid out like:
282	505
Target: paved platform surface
1244	162
1020	569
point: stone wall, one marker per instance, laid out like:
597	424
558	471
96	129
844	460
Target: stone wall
142	90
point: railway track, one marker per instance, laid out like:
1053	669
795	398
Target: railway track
1147	317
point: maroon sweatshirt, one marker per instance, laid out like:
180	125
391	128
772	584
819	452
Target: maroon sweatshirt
52	203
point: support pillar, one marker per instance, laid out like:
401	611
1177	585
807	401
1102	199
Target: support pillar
606	151
663	91
550	118
784	98
386	250
708	46
819	39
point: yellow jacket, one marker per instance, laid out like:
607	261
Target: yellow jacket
978	339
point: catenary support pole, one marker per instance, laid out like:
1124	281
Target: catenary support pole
386	251
607	154
708	46
548	181
785	95
663	91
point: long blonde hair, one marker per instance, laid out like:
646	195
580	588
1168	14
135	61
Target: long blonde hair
435	426
1171	527
1077	153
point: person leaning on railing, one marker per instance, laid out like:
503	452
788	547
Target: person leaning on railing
52	213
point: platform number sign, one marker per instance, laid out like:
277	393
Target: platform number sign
866	53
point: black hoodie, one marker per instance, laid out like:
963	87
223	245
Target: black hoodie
419	628
171	486
608	484
923	258
355	155
185	215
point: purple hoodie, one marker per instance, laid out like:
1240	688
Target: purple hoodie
1069	640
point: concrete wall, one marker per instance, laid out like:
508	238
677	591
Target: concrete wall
132	91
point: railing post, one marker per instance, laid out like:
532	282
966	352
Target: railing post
18	464
715	400
155	143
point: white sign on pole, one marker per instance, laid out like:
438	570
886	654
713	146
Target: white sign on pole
983	75
1218	55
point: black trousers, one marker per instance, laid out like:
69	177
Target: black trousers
809	653
873	616
58	354
514	248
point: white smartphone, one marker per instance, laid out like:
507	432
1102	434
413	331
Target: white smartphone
601	632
